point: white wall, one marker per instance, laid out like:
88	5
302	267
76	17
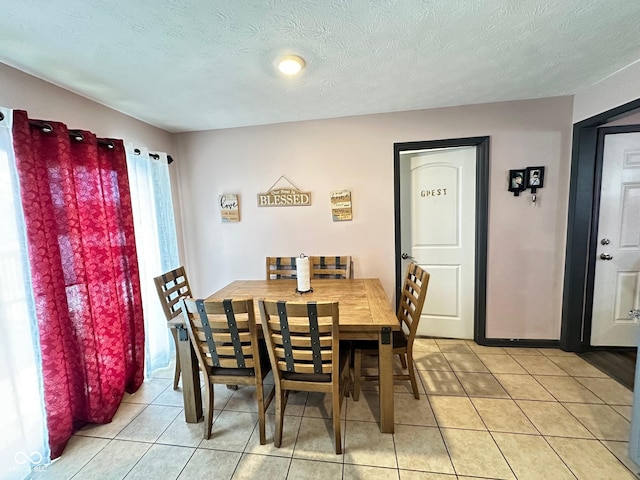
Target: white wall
43	100
526	242
616	90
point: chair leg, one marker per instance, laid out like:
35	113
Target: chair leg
403	360
412	376
176	374
261	420
357	364
277	438
337	436
208	414
346	375
348	370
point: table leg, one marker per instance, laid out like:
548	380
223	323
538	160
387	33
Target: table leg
385	370
191	393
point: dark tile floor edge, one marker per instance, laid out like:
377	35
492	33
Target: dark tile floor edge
618	364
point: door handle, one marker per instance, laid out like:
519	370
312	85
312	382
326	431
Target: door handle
605	256
406	256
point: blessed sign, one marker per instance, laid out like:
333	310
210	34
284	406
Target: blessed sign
290	196
284	197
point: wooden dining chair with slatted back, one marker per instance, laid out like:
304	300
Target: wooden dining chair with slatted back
225	338
305	352
281	268
171	286
412	299
331	267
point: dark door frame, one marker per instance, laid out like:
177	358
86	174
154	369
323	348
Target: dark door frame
482	219
582	224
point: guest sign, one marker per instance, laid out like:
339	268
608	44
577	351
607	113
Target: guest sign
229	209
284	197
341	206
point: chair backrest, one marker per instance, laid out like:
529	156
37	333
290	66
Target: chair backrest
331	267
171	286
281	267
223	334
412	298
302	337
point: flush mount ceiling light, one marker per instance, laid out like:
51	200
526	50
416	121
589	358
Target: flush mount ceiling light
290	64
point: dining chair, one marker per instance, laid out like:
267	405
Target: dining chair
331	267
410	306
225	338
171	286
281	267
305	352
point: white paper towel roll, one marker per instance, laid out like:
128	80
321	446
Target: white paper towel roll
303	273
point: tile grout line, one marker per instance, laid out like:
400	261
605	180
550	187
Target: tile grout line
422	382
446	447
533	424
569	375
187	462
487	427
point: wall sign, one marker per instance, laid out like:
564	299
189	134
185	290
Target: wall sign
434	192
284	197
341	206
229	208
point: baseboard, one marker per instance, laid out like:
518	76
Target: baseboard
518	342
510	342
612	349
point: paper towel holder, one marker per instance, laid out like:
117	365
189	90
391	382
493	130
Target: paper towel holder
303	280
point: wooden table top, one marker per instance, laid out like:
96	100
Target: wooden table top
363	303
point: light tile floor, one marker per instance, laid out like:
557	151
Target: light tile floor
492	413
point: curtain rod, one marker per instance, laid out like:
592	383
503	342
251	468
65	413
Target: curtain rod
77	136
74	134
155	156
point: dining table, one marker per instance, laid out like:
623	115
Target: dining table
365	314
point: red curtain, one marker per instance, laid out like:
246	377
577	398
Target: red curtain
79	223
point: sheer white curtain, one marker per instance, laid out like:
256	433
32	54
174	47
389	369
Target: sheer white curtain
23	437
156	243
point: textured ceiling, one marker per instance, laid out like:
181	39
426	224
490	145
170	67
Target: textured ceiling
188	65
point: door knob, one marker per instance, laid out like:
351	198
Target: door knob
405	256
605	256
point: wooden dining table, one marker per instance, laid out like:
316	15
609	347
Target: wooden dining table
365	314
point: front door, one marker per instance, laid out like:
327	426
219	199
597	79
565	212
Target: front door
617	272
438	231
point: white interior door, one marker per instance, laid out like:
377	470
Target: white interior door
617	274
438	230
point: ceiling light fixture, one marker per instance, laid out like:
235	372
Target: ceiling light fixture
290	64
